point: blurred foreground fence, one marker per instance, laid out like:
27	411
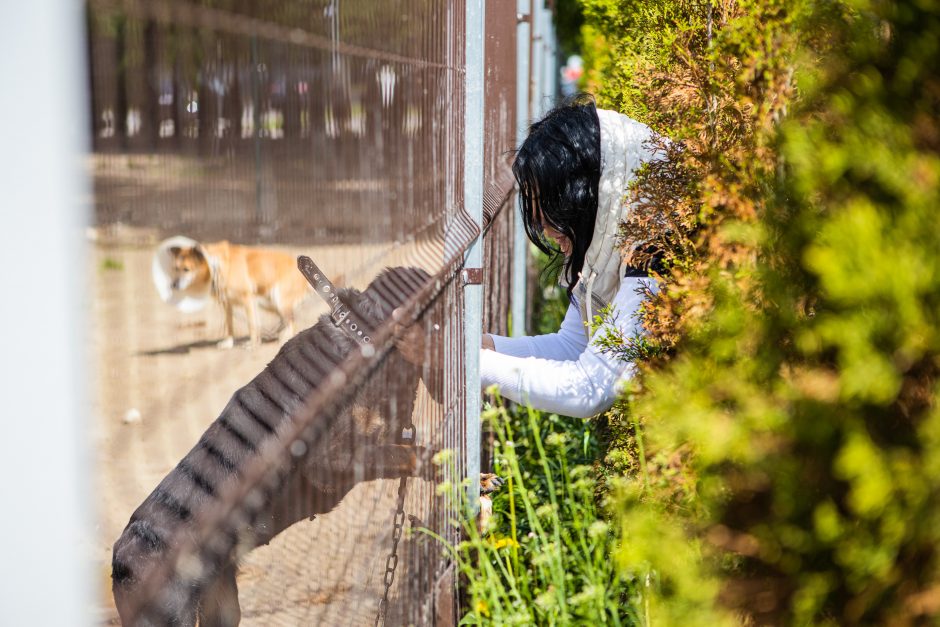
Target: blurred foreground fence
334	129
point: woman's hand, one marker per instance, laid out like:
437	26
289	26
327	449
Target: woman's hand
488	342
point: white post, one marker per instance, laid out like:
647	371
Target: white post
473	205
520	246
45	577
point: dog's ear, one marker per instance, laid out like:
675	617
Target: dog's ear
175	250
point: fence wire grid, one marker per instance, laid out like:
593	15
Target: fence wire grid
249	456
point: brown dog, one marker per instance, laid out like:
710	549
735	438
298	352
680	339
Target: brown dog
241	276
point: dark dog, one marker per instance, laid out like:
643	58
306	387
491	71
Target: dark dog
359	444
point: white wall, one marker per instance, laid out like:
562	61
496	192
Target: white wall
44	474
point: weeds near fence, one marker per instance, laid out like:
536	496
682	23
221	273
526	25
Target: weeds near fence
545	557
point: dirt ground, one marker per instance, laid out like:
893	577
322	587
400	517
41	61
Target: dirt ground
158	380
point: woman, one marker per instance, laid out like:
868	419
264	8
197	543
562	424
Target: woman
573	170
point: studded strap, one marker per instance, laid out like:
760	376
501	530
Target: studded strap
341	315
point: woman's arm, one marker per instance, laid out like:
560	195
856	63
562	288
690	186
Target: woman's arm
580	387
569	342
571	388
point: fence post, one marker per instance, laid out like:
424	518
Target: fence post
45	535
536	107
520	246
549	61
473	205
544	60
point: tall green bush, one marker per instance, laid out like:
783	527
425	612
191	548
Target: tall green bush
800	312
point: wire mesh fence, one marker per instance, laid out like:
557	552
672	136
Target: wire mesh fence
262	440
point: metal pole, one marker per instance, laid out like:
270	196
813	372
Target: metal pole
46	532
551	61
548	61
473	205
538	58
520	247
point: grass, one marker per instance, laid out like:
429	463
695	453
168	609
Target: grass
546	557
548	554
109	263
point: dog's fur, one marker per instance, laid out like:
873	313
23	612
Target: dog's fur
358	444
241	276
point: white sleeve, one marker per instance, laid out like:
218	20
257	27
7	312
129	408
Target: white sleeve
580	387
569	342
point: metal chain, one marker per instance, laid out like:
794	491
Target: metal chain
398	528
392	561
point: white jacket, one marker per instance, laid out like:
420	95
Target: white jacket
564	372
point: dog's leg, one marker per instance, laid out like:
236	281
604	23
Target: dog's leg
254	332
136	553
219	604
229	340
289	329
286	330
176	606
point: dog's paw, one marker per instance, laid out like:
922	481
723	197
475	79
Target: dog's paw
489	483
226	344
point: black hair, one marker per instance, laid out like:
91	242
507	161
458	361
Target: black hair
558	170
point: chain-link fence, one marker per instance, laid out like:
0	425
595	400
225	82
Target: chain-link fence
281	478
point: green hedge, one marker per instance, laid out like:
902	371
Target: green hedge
791	430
